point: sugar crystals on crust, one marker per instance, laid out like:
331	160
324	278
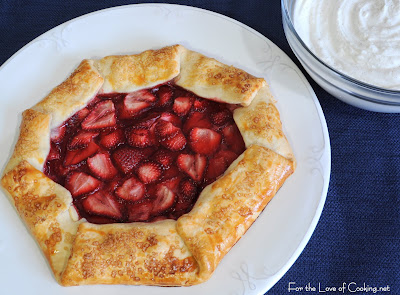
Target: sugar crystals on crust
167	252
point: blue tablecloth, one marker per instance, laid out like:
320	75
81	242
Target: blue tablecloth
357	240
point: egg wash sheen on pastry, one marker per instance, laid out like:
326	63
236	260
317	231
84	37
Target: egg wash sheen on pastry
146	169
360	38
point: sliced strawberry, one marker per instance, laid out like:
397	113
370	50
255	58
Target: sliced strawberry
102	203
140	212
175	143
76	156
164	130
101	166
79	183
57	134
170	136
148	121
186	197
165	199
166	194
54	153
204	141
234	139
140	138
102	116
172	184
135	103
96	100
219	163
200	104
216	167
149	172
142	95
196	119
165	96
80	115
169	117
221	117
153	136
127	158
187	188
113	184
133	108
113	139
131	190
62	170
81	140
182	105
164	158
192	165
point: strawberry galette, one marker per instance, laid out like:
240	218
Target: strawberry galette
148	168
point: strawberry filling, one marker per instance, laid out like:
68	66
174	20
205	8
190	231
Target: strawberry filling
142	156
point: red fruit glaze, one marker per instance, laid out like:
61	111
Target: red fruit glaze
142	156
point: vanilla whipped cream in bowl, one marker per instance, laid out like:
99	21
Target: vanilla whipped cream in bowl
351	48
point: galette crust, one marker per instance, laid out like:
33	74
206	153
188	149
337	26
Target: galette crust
128	73
227	208
71	95
33	143
212	79
165	253
44	206
260	124
135	254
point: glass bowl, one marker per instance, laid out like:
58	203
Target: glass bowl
343	87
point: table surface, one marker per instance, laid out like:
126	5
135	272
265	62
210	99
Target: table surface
357	240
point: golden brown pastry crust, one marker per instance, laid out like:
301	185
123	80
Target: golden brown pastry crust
166	253
71	95
135	254
128	73
260	124
227	208
211	79
44	206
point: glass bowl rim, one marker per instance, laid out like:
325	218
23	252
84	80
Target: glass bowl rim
290	24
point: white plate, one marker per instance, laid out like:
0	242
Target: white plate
281	232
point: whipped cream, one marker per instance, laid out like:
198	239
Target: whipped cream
360	38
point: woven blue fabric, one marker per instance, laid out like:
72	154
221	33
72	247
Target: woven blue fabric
357	239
